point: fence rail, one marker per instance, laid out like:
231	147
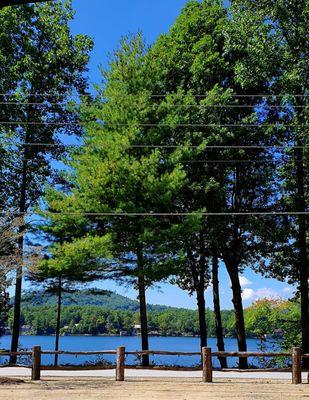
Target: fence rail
247	354
79	353
120	353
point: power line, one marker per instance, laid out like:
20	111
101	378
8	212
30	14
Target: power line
168	105
237	161
24	103
231	161
158	125
41	94
207	147
162	214
239	95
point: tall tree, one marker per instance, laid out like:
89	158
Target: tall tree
193	272
8	257
112	175
280	44
68	262
190	68
46	59
58	276
197	80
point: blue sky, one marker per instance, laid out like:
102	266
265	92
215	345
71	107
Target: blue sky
106	21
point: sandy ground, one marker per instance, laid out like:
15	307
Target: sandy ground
150	373
104	388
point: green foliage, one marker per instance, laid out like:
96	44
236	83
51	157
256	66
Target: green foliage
97	320
89	313
85	297
8	257
278	318
75	258
38	54
109	177
270	41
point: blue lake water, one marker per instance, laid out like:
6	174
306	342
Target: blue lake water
96	343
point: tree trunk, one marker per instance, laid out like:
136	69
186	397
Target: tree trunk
217	310
17	304
142	306
302	253
231	256
238	310
200	297
19	270
16	317
58	319
198	278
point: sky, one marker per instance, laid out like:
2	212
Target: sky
106	21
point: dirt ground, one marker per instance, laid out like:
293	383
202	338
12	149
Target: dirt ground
151	389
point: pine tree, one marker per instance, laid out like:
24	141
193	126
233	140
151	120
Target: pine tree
43	57
111	176
279	55
196	75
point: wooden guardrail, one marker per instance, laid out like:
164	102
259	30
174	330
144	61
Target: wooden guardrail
206	354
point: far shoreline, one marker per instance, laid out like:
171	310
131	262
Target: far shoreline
133	336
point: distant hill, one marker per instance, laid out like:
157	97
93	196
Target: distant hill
109	300
95	312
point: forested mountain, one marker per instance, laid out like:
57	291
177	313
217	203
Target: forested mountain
109	300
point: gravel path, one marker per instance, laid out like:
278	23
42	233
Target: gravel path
148	373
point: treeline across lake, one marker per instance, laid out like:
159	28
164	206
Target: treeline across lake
95	320
264	319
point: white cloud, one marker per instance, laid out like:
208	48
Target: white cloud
247	294
209	288
266	293
244	282
261	293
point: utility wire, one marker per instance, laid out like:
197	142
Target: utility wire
207	147
238	161
169	105
41	94
154	125
287	147
157	214
279	162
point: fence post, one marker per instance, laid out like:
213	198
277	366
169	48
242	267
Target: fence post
207	364
120	363
36	363
296	365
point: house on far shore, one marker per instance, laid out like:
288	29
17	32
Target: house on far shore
123	333
6	331
25	329
64	331
136	331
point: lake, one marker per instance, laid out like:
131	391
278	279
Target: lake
92	343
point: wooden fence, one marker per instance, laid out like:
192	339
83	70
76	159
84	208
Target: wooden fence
206	355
